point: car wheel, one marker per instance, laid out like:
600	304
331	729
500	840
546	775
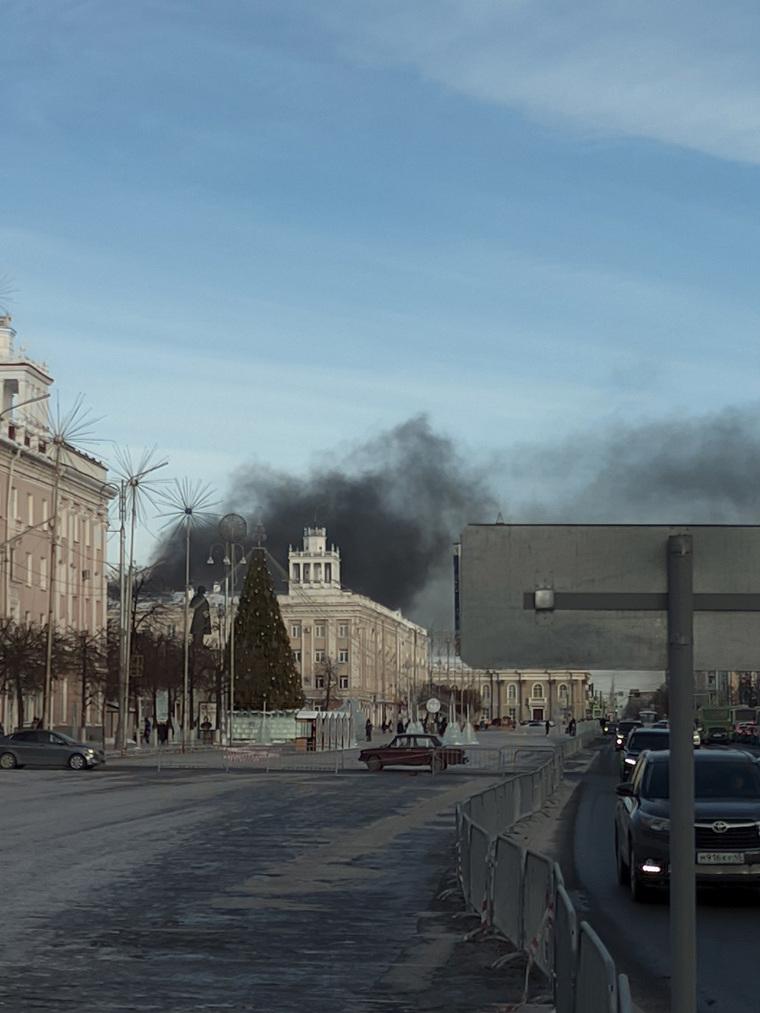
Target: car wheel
437	763
77	761
639	892
374	763
622	868
7	761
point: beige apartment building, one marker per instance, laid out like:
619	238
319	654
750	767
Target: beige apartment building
53	523
346	643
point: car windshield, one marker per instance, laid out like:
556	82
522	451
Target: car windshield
720	780
648	740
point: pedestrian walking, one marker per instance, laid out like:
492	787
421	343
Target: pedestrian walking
146	731
368	730
548	725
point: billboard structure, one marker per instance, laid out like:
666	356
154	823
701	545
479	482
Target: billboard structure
595	596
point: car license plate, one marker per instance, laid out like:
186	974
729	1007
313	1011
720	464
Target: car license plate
720	858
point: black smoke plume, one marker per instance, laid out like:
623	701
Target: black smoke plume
395	505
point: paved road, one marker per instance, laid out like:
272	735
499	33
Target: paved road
185	890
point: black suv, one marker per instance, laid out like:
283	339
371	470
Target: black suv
623	728
639	740
726	821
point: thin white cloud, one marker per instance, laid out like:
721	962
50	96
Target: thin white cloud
683	73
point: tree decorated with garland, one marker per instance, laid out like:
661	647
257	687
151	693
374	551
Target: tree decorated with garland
265	670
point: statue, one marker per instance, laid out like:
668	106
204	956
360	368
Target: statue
200	624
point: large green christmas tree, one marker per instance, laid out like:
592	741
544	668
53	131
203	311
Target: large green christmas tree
265	671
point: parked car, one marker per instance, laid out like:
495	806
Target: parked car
609	727
38	747
413	750
726	821
623	729
717	737
639	740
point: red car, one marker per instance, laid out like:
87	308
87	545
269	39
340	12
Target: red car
746	731
413	750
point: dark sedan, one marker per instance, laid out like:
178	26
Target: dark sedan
413	750
624	728
639	740
726	821
38	747
717	737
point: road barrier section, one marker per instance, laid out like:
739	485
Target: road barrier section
520	893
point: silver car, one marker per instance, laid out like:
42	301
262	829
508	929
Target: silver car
38	747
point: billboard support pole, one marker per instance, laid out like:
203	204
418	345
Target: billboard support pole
681	688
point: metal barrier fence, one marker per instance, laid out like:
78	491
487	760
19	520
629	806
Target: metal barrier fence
521	895
511	759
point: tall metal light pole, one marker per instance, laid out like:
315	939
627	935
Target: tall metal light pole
232	529
132	485
73	426
188	505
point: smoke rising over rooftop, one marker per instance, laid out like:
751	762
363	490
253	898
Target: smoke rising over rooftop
394	505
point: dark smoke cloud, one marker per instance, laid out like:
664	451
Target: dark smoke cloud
680	470
395	505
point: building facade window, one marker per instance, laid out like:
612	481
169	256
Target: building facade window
295	631
296	575
320	682
306	573
344	682
538	691
319	629
307	680
297	656
342	657
562	691
319	655
30	509
342	629
511	691
328	573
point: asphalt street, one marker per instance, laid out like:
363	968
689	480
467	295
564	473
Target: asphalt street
130	888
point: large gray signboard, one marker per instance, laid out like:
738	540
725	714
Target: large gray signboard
595	596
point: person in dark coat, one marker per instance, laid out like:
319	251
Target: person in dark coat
368	730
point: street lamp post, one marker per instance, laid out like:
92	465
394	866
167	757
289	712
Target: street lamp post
130	488
232	529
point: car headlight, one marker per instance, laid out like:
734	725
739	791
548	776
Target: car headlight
630	760
658	824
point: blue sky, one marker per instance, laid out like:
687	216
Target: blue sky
266	230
